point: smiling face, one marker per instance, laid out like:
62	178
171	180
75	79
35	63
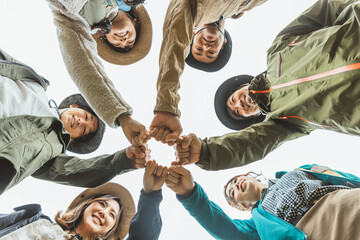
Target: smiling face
241	103
207	43
244	190
78	122
99	218
123	32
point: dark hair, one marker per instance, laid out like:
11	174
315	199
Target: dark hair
133	16
72	218
232	201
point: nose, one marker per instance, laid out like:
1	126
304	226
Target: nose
206	46
103	214
238	104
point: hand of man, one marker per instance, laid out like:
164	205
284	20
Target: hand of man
138	155
171	125
188	149
180	180
154	176
134	131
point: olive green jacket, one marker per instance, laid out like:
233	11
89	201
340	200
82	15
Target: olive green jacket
181	18
79	50
35	146
312	82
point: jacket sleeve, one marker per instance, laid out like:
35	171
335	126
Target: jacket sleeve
79	52
323	13
146	224
245	146
212	218
70	170
177	35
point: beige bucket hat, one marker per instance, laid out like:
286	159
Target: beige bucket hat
139	51
118	191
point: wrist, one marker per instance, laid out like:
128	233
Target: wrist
188	193
123	119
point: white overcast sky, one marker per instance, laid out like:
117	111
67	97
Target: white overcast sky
28	34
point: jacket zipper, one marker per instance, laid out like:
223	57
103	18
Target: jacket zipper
346	68
316	124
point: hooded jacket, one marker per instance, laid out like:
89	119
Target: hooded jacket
35	146
181	18
262	225
311	83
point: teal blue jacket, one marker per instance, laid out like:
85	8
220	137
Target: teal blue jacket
262	225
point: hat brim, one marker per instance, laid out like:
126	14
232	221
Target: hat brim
118	191
90	144
221	97
139	51
218	64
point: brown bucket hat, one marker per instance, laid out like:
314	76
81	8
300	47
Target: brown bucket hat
139	51
117	191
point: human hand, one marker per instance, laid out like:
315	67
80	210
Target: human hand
134	131
138	155
188	149
180	180
170	124
154	176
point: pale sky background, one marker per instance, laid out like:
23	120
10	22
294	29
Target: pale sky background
28	34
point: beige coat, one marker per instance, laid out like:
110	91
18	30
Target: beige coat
181	18
80	56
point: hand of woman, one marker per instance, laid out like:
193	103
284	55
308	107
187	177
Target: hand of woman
180	180
138	155
154	176
134	131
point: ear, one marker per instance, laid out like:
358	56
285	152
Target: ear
224	43
74	105
193	33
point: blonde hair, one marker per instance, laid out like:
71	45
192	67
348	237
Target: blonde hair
232	201
70	219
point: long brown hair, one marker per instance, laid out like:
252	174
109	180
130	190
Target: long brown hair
70	219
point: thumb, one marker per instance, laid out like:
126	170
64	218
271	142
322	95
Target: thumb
150	167
186	141
142	135
172	137
138	153
180	170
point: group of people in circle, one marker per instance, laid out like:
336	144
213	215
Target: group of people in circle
310	83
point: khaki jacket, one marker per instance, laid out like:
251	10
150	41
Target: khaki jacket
181	18
80	56
312	82
35	146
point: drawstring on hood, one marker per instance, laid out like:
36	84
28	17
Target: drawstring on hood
52	104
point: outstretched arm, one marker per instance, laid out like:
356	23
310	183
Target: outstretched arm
177	35
208	214
146	224
246	146
80	56
70	170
